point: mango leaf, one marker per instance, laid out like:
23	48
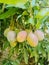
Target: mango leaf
8	13
38	25
11	51
48	51
30	20
0	11
34	54
36	57
14	63
13	1
25	13
6	62
17	5
48	56
5	45
25	56
43	13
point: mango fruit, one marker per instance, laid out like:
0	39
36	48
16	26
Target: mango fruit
32	39
13	44
39	34
21	36
6	31
11	36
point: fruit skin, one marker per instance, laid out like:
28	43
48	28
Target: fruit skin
32	39
11	36
13	44
21	36
39	34
6	31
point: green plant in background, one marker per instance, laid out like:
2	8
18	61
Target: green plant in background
24	31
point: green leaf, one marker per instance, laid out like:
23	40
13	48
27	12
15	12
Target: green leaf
47	48
11	52
48	56
25	56
39	23
19	6
30	20
5	45
13	1
0	11
6	62
14	63
25	13
34	54
8	13
43	13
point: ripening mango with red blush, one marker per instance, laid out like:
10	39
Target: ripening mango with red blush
32	39
39	34
21	36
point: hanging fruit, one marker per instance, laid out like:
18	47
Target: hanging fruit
6	31
32	39
11	36
39	34
13	44
21	36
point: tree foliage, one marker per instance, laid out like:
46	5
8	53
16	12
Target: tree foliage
28	15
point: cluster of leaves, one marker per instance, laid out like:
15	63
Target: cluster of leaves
25	14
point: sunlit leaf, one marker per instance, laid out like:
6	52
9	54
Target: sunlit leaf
43	13
25	56
30	21
8	13
40	22
13	1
